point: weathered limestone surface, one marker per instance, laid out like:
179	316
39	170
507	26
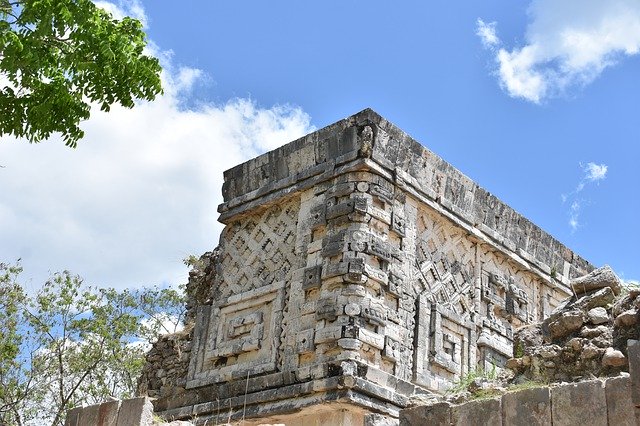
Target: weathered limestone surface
105	414
595	402
619	405
165	371
600	278
477	413
356	267
634	369
134	412
585	336
528	407
579	404
434	414
130	412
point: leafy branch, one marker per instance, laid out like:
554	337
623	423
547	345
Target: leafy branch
61	56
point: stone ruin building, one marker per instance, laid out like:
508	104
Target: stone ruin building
356	270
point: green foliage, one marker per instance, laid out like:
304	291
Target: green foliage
10	339
71	344
191	261
463	383
60	55
518	350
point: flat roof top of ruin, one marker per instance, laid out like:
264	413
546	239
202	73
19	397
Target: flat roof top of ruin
322	154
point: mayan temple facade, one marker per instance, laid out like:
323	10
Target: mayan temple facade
356	270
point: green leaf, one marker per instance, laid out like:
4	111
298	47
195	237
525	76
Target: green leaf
64	55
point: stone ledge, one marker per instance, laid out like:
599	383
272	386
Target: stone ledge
291	398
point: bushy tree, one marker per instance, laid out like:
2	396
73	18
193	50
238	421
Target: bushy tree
58	56
71	344
11	384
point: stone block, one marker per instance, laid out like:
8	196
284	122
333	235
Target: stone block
485	412
565	324
135	412
89	415
379	420
579	403
436	414
597	279
528	407
633	351
73	417
619	407
108	413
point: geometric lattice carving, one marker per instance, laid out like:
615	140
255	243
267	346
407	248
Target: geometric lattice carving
445	265
258	251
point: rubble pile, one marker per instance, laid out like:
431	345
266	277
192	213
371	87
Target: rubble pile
586	336
165	370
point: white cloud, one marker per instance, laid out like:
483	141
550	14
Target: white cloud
122	8
595	172
487	33
568	44
165	323
574	214
592	173
573	223
141	190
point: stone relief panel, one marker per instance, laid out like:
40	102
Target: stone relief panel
241	336
445	345
349	295
444	280
240	332
470	298
504	297
512	293
509	298
356	269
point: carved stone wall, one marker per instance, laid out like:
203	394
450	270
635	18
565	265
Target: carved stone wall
358	268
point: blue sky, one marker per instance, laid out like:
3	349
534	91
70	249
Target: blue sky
536	101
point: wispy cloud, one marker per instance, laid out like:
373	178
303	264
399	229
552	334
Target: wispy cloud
487	33
141	190
595	172
574	213
567	44
592	173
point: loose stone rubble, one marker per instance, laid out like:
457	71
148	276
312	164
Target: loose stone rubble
356	271
586	336
167	363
